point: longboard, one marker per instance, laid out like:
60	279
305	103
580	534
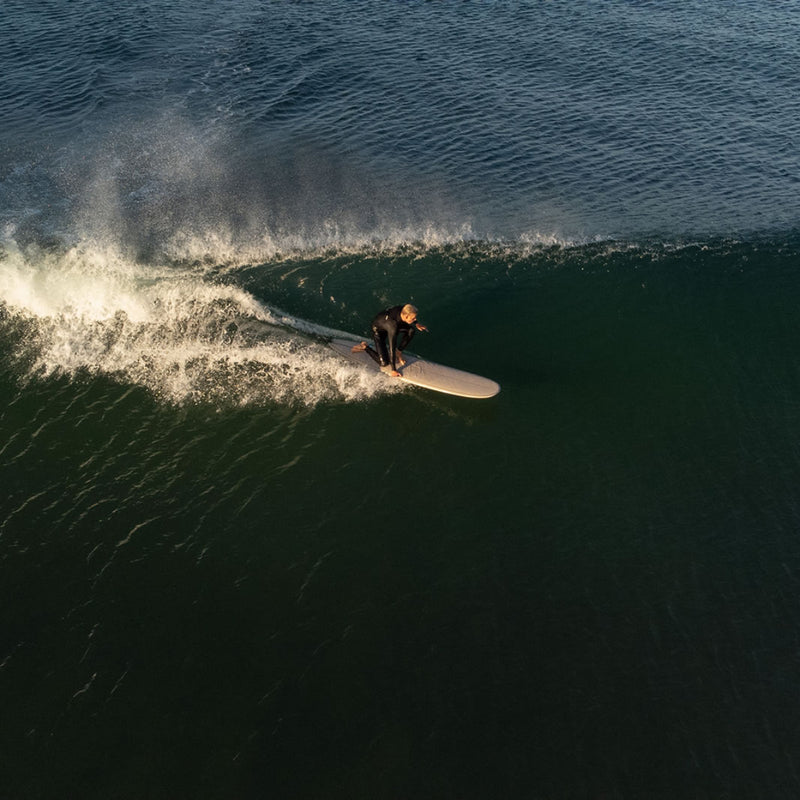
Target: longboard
427	374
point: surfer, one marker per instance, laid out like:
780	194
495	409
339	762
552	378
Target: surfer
398	322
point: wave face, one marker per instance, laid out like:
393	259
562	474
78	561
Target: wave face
234	565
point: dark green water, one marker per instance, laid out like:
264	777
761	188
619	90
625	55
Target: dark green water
587	584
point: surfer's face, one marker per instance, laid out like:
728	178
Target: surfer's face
409	319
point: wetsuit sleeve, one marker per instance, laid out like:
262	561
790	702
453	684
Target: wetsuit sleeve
408	335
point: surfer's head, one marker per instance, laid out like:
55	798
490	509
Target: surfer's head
409	314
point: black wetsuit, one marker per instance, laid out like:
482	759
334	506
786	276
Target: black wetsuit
386	328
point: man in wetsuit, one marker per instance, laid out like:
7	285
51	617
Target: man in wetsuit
391	324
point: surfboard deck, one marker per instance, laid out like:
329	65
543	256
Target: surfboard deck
427	374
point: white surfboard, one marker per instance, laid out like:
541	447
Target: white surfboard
423	373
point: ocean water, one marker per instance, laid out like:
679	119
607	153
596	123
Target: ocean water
232	565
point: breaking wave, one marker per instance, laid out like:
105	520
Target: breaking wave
182	336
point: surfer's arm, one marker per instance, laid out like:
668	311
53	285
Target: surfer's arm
408	335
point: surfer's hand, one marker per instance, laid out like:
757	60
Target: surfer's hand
421	327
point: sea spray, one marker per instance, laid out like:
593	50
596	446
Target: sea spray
173	331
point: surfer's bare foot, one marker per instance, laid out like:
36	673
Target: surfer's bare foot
401	361
358	348
394	373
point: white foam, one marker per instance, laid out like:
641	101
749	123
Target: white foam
184	337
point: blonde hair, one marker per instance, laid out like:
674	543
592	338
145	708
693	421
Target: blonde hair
409	309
